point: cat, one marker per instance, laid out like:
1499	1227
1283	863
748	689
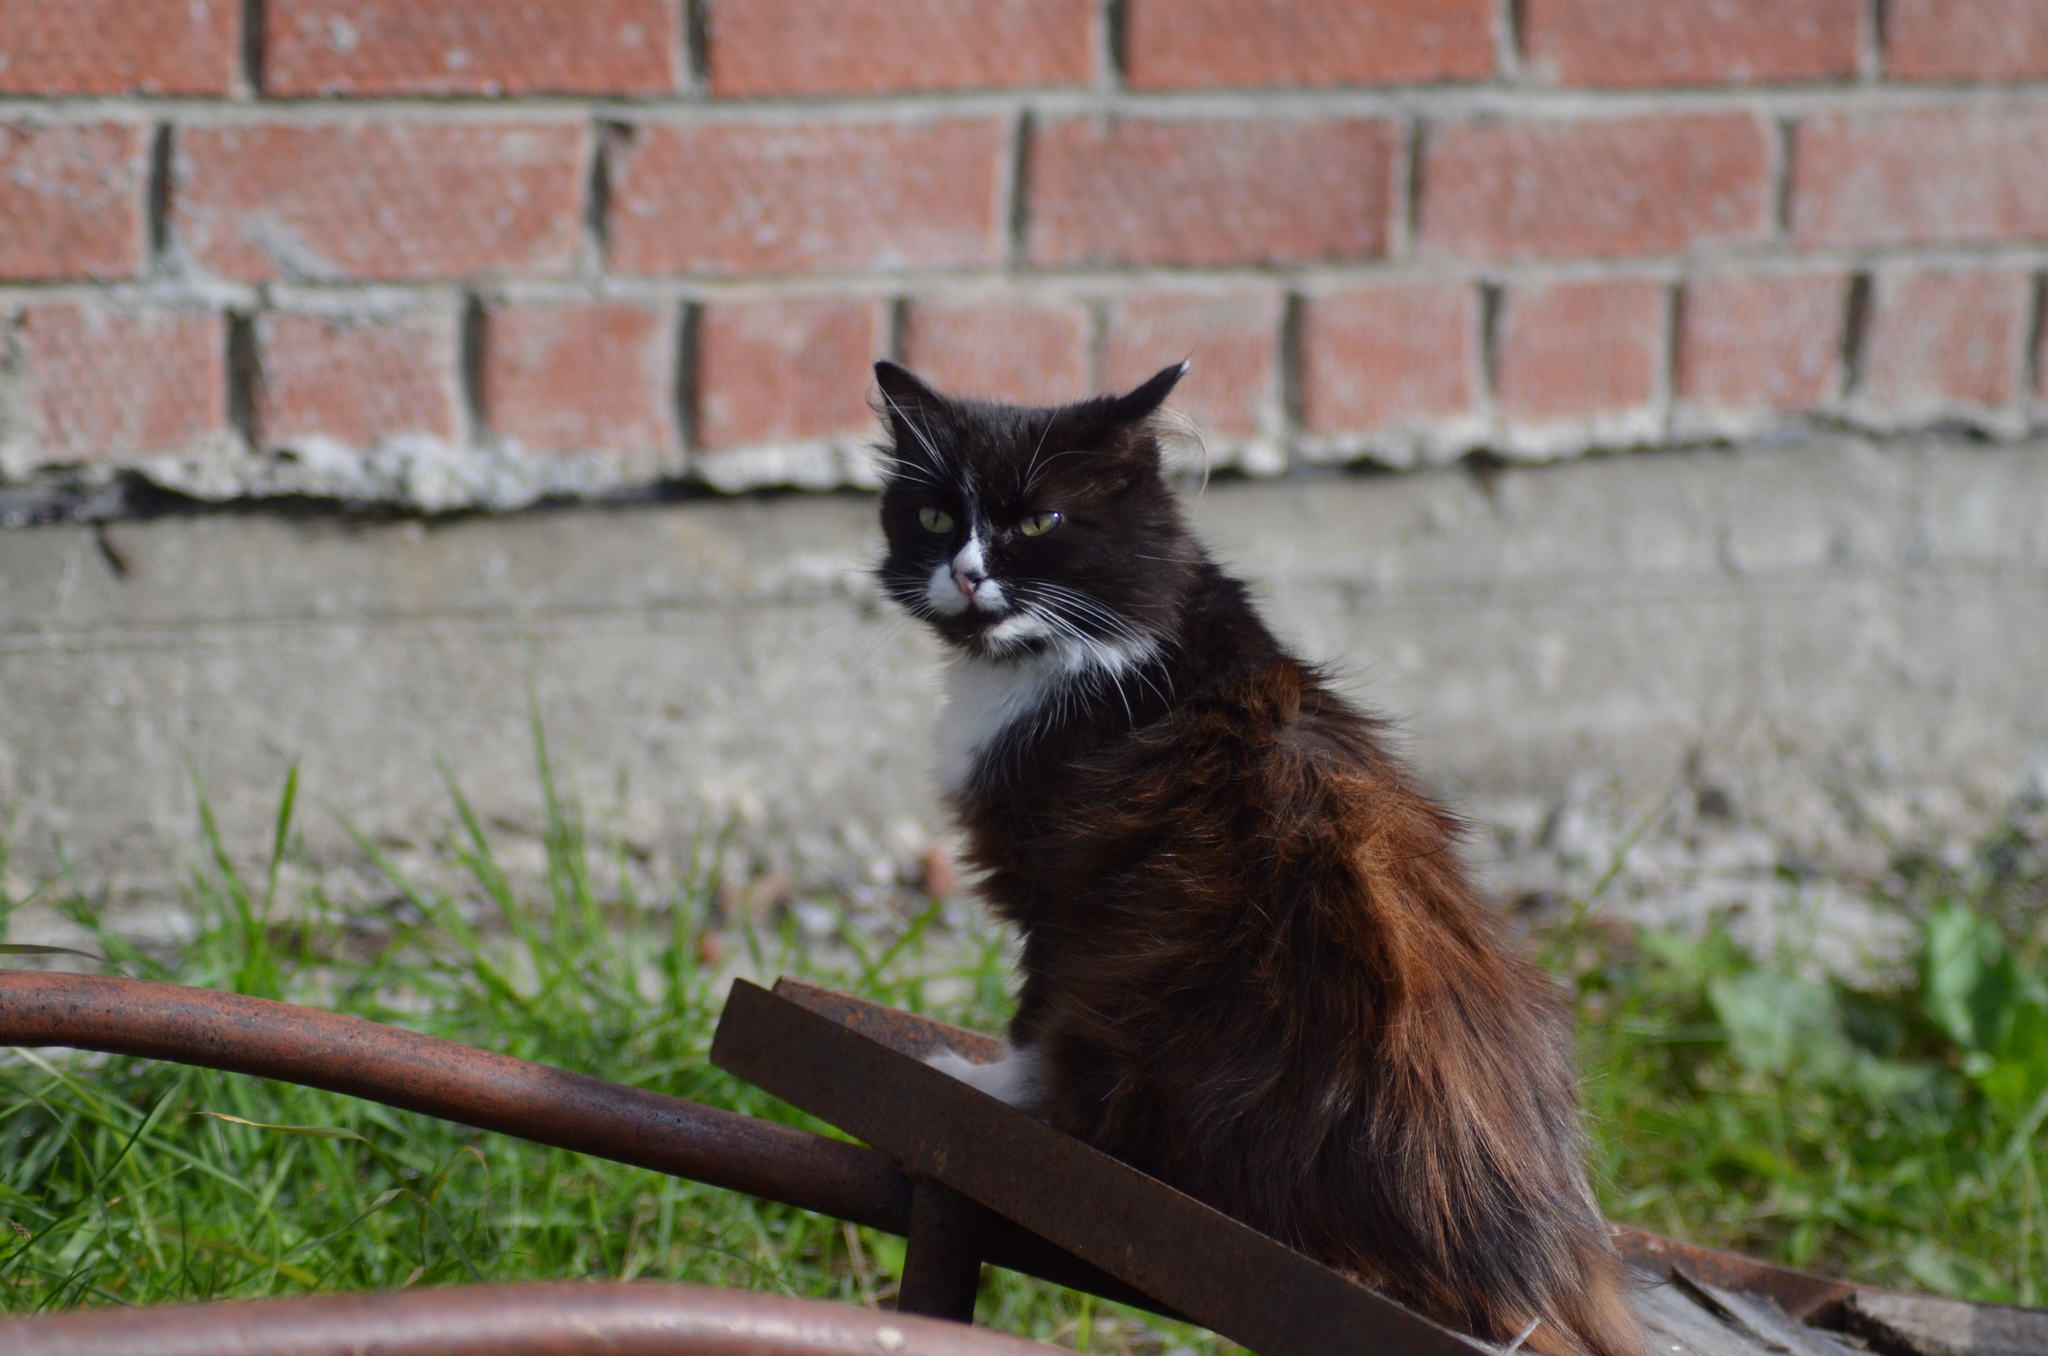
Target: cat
1252	965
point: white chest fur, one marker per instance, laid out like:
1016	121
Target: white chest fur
985	698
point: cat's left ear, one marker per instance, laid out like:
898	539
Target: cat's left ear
1143	401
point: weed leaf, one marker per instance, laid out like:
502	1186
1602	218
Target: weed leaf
310	1131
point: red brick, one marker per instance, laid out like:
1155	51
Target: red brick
885	46
71	200
1595	187
379	199
1032	350
471	47
1580	349
1966	40
1917	176
104	383
785	368
1633	43
1943	339
118	46
1762	341
738	198
357	382
1193	44
581	376
1232	338
1388	354
1114	190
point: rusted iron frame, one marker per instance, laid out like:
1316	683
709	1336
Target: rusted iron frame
831	1056
1804	1295
942	1261
643	1129
554	1318
1807	1297
495	1092
453	1082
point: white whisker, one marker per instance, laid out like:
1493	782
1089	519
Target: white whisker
937	463
1031	462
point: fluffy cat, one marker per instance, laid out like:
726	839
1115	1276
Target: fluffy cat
1252	965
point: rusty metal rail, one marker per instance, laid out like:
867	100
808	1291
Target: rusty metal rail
549	1319
457	1083
496	1092
834	1057
977	1169
1802	1294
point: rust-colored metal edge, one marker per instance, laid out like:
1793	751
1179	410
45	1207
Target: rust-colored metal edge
1218	1272
907	1032
1891	1320
454	1082
667	1134
1821	1301
496	1092
555	1318
1803	1294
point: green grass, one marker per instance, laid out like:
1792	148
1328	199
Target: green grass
1890	1131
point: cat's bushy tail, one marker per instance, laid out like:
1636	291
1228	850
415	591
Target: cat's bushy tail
1595	1319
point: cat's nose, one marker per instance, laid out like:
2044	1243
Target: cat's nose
967	580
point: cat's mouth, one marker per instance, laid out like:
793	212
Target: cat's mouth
975	612
1006	631
997	620
1021	632
1010	633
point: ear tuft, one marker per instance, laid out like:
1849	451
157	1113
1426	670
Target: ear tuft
1144	400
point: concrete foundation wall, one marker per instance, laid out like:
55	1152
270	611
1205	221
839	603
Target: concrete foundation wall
1803	645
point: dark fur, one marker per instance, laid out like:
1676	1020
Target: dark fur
1252	962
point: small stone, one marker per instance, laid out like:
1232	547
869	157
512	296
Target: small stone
941	877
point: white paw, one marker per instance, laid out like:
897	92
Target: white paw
956	1064
1012	1079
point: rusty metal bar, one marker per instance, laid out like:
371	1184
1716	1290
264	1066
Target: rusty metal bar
644	1129
1222	1274
561	1318
1807	1297
942	1264
497	1092
1804	1295
457	1083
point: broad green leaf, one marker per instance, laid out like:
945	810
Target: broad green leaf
1778	1022
2019	1069
1970	984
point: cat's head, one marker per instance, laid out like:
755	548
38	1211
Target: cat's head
1017	530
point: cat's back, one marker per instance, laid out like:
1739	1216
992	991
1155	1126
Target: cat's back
1293	1004
1257	757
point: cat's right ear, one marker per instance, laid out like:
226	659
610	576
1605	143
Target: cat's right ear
906	409
901	387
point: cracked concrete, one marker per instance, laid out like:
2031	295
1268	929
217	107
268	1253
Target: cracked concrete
1798	653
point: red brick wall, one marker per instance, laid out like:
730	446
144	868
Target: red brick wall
659	238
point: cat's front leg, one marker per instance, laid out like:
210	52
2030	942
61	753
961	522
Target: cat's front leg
1015	1078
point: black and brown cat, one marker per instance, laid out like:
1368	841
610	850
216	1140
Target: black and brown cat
1252	963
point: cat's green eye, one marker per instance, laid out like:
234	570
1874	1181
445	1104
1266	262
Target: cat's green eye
934	520
1038	524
